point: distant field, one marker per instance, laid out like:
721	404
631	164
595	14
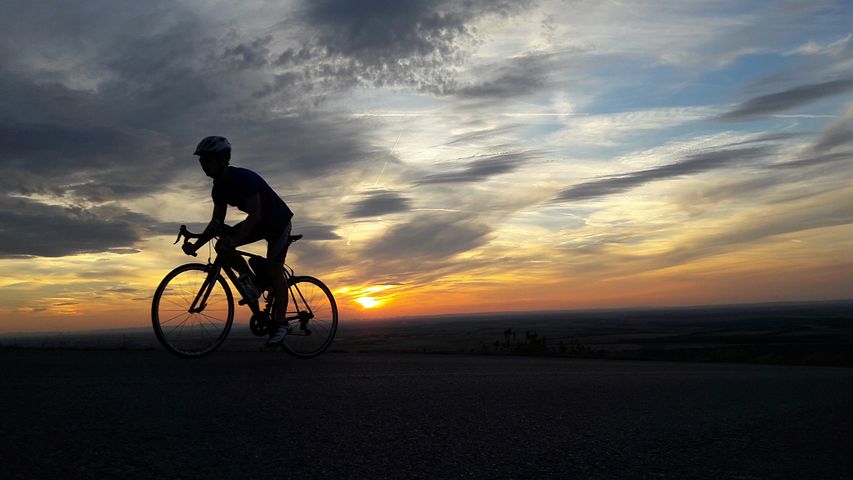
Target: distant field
802	333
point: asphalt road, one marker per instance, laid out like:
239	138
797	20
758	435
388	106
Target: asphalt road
262	415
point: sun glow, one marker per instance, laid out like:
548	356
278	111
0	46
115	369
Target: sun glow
368	302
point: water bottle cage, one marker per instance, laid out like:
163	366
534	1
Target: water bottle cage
247	288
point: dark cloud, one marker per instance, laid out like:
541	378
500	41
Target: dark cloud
44	146
426	238
769	138
249	54
697	163
482	136
89	162
816	160
787	99
379	203
31	228
409	42
97	112
303	147
517	76
480	169
837	133
314	257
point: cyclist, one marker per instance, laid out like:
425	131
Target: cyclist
269	218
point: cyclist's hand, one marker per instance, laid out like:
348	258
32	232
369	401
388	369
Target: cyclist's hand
189	248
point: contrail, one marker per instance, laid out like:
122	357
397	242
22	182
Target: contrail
376	183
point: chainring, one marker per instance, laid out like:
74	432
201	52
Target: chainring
260	324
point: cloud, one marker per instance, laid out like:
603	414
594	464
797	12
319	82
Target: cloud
92	116
484	136
308	146
92	162
796	217
393	42
813	48
613	128
315	231
31	228
379	203
693	164
517	76
787	99
828	158
249	54
838	133
480	169
428	238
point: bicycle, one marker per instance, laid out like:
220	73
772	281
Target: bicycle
193	309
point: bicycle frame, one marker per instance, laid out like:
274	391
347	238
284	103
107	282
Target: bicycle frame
218	265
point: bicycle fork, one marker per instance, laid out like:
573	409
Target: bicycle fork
200	300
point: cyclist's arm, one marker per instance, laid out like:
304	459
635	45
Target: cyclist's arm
216	222
244	228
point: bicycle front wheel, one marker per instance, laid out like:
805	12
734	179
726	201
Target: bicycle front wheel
315	315
189	332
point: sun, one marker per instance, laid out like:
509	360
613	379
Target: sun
368	302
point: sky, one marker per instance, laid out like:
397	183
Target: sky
440	156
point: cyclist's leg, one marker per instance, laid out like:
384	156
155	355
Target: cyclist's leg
234	259
276	253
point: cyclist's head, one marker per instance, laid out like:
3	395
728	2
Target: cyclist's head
214	154
214	147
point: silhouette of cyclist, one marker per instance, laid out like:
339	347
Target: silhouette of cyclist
268	219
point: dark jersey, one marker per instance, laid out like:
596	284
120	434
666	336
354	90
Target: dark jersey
242	183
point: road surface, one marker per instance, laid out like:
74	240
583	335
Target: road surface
145	414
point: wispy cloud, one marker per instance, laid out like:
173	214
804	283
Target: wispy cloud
480	169
814	48
692	164
428	237
522	75
379	203
838	133
787	99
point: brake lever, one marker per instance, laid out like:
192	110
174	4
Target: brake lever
181	233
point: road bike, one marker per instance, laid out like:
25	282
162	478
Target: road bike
193	308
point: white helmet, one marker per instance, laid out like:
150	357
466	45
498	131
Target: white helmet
213	146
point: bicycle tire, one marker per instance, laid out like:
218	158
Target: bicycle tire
313	336
186	334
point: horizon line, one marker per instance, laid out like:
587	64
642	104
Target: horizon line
472	314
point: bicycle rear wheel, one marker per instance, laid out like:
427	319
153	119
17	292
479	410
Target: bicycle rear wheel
181	331
313	304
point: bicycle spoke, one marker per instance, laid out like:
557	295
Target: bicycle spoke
175	303
179	325
201	325
210	321
163	322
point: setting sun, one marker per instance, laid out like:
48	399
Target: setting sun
368	302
